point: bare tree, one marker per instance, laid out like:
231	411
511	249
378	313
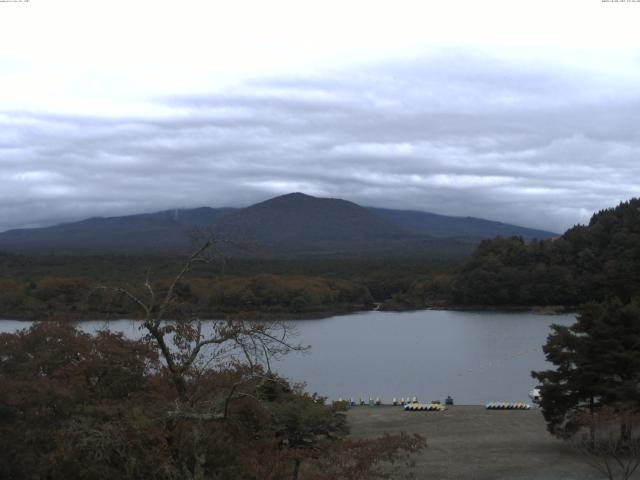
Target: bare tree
610	441
189	347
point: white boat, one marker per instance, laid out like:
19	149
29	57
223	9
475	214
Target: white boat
534	395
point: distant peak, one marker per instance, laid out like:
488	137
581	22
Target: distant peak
295	195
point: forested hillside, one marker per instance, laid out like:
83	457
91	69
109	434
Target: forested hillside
587	263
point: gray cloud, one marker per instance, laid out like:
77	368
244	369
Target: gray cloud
457	134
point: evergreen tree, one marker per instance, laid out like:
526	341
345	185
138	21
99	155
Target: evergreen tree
597	362
587	263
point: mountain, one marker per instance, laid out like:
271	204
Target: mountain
289	225
432	224
154	233
297	217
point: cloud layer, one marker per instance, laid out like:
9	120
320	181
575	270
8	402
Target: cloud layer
461	134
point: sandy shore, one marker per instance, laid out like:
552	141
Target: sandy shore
470	442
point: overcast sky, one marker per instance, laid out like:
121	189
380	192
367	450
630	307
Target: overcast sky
524	112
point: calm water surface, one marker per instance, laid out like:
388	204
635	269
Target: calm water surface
475	357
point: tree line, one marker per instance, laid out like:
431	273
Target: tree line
265	294
63	286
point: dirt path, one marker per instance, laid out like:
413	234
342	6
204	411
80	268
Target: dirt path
472	443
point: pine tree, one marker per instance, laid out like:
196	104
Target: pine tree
597	364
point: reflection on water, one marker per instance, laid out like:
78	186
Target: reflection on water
475	357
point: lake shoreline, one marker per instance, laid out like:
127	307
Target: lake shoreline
543	310
204	315
535	309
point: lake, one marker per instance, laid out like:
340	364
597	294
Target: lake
475	357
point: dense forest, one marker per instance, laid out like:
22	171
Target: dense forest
589	262
39	287
69	297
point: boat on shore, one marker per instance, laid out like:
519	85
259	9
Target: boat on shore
535	395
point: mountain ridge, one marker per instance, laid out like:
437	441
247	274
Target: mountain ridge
295	223
438	225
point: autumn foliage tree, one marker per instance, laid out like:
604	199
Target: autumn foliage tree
54	378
